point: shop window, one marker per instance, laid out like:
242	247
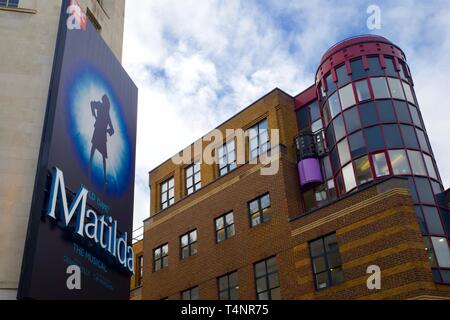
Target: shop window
363	171
409	136
352	119
380	165
421	220
408	92
393	137
399	162
380	88
368	114
415	116
374	67
386	111
362	90
433	221
347	96
349	177
422	140
335	106
401	108
358	71
390	67
424	190
417	165
344	152
342	75
357	144
396	88
430	166
374	139
442	251
339	128
331	85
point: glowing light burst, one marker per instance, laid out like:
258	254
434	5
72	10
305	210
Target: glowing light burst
89	85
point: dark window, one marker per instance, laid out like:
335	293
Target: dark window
161	257
363	172
386	111
259	210
259	139
342	75
140	271
393	137
433	221
327	167
339	128
225	227
190	294
188	244
266	278
334	160
368	114
401	108
415	116
424	190
409	136
228	286
326	113
331	85
227	157
303	118
335	105
403	71
374	138
421	220
390	68
408	92
358	71
374	66
167	196
330	135
340	184
315	111
326	262
9	3
193	178
357	144
352	119
413	190
417	164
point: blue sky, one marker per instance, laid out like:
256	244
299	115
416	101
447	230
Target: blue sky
197	62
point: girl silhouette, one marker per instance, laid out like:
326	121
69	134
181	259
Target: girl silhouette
102	126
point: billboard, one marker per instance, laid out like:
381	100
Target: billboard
80	228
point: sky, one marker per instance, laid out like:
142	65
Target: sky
198	62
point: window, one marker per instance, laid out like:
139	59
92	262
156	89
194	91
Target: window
433	221
225	227
374	66
317	126
386	111
442	252
190	294
417	165
140	270
396	88
161	257
326	262
9	3
430	166
380	88
347	97
331	86
401	108
314	110
349	177
380	165
266	278
227	157
193	178
421	220
342	75
362	90
368	114
399	162
352	119
188	244
358	71
340	184
408	92
363	171
415	115
422	140
374	139
228	286
424	190
326	113
330	135
339	128
393	137
327	167
303	118
409	136
403	71
357	144
167	193
335	106
390	67
344	152
259	210
259	139
334	159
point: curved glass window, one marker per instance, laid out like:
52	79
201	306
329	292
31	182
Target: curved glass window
374	67
403	71
386	111
421	220
358	71
339	128
342	75
352	119
380	88
424	190
374	139
368	114
417	165
430	166
422	140
363	171
409	136
327	167
347	96
326	113
408	92
303	118
331	85
396	89
357	144
393	137
362	90
344	152
335	106
442	252
433	221
314	110
349	177
415	116
334	160
390	67
399	162
380	164
401	108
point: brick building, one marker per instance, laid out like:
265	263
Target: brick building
357	191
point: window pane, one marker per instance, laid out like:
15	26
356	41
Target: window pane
417	165
342	75
424	190
433	221
319	264
314	110
358	71
331	85
322	280
430	167
421	220
362	90
409	136
399	162
339	128
374	139
316	126
349	177
344	152
401	108
347	96
331	243
337	276
393	137
363	171
260	269
326	113
396	88
327	167
335	106
415	115
390	68
380	88
386	111
380	165
316	248
272	265
357	144
368	114
442	251
422	140
303	118
334	260
352	119
374	66
408	92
